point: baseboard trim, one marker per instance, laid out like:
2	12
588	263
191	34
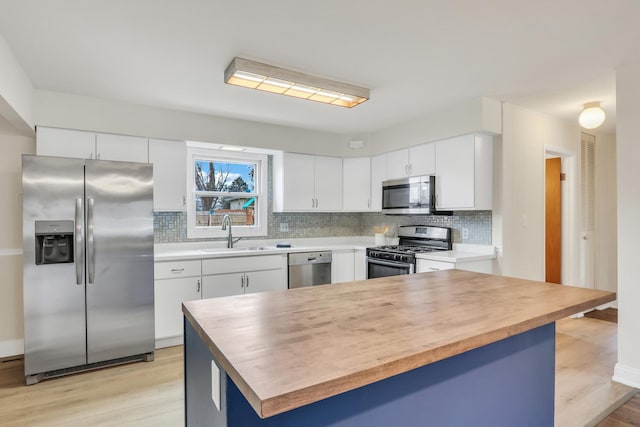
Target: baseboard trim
627	375
169	342
11	348
10	252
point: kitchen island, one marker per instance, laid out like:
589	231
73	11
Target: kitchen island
443	348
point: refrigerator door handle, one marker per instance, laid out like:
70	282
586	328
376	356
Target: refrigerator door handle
78	243
91	256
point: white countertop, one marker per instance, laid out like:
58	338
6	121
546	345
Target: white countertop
216	249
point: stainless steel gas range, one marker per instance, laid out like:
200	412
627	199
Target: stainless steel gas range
393	260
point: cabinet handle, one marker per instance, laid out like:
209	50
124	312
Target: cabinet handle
247	281
184	200
177	270
242	281
317	203
198	286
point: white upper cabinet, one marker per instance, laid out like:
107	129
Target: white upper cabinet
464	173
122	148
65	143
307	183
414	161
328	183
169	174
356	184
91	145
378	174
397	164
422	160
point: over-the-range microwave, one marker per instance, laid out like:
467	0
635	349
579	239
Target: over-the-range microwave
412	195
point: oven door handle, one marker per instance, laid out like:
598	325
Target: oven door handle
391	264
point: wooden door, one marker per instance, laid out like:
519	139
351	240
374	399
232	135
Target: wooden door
553	221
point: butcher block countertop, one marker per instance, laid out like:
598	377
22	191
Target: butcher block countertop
286	349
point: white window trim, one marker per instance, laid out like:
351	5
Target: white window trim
261	227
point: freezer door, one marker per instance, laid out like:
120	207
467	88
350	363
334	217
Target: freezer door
54	299
119	248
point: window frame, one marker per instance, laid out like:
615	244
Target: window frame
260	229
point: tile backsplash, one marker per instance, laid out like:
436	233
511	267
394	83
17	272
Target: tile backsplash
468	226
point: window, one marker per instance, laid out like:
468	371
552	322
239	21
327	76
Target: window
222	183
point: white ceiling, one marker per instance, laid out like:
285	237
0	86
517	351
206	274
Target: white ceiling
416	56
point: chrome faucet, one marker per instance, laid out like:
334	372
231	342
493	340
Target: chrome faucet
226	220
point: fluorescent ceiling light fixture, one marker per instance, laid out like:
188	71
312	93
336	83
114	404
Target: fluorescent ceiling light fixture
256	75
592	115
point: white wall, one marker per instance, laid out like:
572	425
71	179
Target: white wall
525	135
95	114
12	146
606	224
474	115
627	369
15	91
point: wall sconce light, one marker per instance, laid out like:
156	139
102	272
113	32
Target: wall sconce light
256	75
592	115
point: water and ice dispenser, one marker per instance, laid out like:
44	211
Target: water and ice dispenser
54	242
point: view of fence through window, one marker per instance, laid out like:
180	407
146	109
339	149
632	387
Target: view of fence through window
225	188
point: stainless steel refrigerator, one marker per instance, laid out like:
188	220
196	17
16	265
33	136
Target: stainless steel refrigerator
88	264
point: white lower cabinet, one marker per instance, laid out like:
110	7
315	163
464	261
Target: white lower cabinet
175	282
360	265
426	265
243	275
342	266
228	284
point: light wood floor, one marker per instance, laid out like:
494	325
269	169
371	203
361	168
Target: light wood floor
151	394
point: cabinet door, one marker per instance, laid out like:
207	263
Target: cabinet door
359	265
397	164
328	183
356	184
298	183
266	280
378	174
169	174
423	159
222	285
122	148
342	267
65	143
169	296
455	173
426	265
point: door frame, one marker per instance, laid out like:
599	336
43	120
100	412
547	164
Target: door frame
570	229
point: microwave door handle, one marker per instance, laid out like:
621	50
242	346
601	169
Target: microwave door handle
78	242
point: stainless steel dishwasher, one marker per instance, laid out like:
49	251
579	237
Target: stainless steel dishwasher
309	269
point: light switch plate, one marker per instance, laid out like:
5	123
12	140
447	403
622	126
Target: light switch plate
215	384
284	226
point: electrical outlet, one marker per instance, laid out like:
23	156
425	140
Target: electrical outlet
284	227
465	233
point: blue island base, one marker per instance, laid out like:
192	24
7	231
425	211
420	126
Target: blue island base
507	383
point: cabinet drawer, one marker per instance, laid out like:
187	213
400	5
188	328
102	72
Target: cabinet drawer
173	269
241	264
424	265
